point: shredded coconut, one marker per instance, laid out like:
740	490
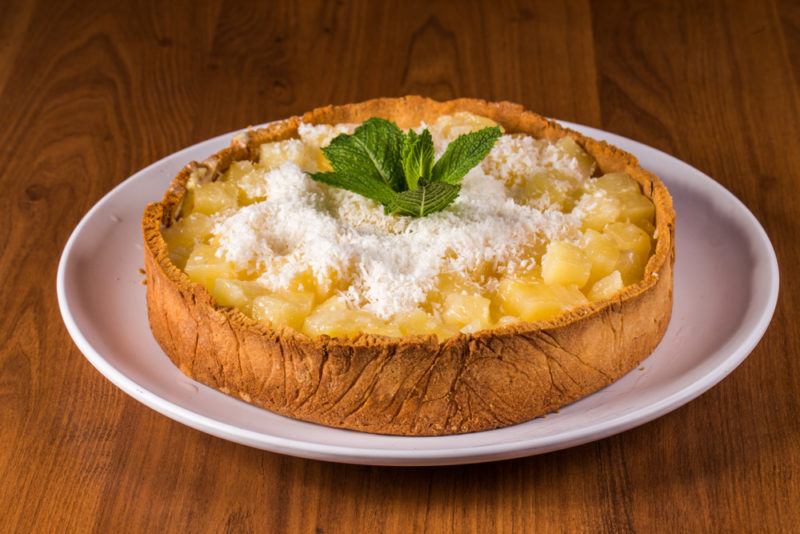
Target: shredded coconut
515	156
390	263
590	202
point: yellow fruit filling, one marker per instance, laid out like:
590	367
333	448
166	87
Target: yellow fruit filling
604	245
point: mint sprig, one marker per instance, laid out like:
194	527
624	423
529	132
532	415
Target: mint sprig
417	158
397	169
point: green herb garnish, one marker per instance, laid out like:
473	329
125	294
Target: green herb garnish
396	169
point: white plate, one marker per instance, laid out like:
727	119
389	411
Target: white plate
726	287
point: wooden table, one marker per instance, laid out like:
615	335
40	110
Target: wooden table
91	93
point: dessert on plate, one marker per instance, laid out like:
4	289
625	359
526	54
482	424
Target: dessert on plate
412	267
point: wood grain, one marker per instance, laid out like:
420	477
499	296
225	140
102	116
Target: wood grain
92	91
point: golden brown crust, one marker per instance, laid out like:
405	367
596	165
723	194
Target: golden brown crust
413	385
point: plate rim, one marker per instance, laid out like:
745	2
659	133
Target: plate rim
411	456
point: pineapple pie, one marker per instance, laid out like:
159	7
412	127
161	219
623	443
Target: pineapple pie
412	267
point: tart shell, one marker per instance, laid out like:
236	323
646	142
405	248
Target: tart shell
416	385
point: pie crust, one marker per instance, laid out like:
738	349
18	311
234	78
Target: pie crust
414	385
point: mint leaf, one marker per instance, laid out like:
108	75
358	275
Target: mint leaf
377	190
463	154
372	152
417	158
424	200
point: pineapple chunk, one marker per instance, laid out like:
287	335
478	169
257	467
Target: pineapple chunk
565	264
528	300
332	317
462	310
631	266
279	311
452	283
236	293
637	208
534	274
557	188
320	135
188	231
455	283
212	197
629	237
321	323
238	170
332	305
569	147
316	160
417	323
335	319
304	300
602	251
178	256
449	127
507	320
306	282
536	301
634	206
648	227
445	331
568	296
250	181
617	183
599	209
369	324
635	245
184	234
204	267
273	155
474	326
606	287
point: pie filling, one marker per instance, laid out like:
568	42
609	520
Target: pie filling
532	235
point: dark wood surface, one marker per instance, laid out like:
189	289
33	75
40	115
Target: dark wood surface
90	92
